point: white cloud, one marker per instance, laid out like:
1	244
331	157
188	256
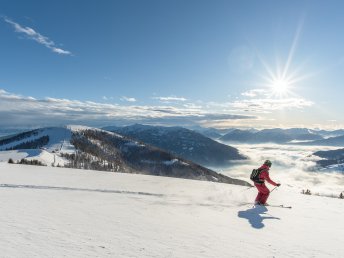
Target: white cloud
34	35
170	99
262	101
107	98
267	104
254	93
128	99
60	51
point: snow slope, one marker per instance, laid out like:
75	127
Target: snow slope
55	212
59	139
44	156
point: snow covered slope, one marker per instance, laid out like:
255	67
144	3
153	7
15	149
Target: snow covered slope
59	139
43	156
56	212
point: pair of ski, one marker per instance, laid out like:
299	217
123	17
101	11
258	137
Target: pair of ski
277	206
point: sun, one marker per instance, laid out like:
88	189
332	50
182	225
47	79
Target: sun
280	86
280	81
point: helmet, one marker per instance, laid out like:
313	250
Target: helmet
268	163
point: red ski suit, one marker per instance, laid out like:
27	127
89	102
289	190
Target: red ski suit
263	191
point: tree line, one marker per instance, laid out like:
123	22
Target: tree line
34	144
34	162
18	137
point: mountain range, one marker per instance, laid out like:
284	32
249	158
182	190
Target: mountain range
91	148
276	135
182	142
337	141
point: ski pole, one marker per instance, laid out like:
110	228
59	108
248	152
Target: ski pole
273	189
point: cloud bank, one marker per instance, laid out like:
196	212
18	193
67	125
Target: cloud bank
16	109
293	166
22	110
262	101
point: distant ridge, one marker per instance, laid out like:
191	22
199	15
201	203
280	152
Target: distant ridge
183	142
276	135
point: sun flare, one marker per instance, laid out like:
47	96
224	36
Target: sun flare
280	86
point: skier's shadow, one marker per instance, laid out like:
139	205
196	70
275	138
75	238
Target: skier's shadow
255	216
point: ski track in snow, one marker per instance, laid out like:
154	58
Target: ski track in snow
56	212
43	187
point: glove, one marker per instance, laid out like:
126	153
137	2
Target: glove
278	185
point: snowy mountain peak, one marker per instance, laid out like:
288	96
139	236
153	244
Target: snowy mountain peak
77	128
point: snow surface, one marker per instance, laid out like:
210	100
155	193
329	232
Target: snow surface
58	212
47	158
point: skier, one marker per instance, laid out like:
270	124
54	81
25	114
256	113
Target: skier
263	191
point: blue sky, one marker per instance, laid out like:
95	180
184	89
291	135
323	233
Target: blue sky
212	63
